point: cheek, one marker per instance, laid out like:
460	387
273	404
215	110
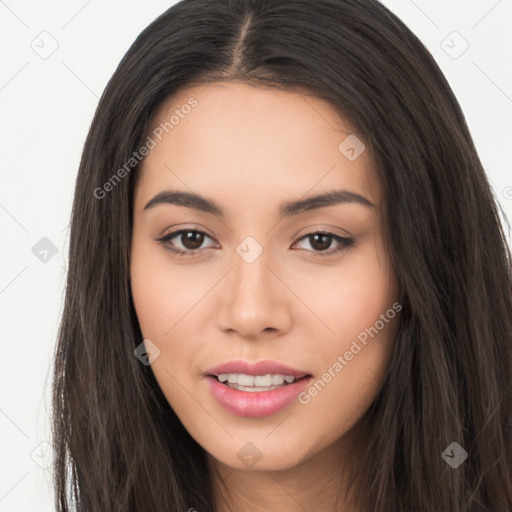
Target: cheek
161	294
350	297
146	294
168	298
353	356
162	299
351	371
151	298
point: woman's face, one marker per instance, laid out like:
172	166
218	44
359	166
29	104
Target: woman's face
259	287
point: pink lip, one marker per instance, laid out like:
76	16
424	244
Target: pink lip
261	403
259	368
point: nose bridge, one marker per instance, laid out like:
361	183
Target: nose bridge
250	272
252	298
250	261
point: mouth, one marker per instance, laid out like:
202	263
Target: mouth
257	383
256	389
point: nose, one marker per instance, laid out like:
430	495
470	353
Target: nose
254	300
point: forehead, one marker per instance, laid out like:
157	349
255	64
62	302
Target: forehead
259	143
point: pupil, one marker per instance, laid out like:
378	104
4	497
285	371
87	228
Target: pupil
321	246
192	239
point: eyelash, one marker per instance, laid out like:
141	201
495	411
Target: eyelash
345	243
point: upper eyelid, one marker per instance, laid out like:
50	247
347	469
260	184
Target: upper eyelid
173	234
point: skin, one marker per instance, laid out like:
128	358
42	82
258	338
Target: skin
249	150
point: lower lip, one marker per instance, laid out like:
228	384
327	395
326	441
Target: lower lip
256	404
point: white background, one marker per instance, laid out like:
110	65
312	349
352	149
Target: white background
47	106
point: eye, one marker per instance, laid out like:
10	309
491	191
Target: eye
191	240
320	241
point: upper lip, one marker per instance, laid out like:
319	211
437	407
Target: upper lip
256	368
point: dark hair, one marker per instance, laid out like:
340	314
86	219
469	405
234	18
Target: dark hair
118	443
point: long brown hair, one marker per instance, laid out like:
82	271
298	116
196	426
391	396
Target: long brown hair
119	445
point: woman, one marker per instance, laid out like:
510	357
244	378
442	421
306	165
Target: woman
288	288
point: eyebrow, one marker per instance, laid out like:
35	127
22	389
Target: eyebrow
287	209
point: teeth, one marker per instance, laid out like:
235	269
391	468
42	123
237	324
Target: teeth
277	379
245	380
255	382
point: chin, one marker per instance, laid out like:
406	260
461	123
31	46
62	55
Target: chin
259	456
